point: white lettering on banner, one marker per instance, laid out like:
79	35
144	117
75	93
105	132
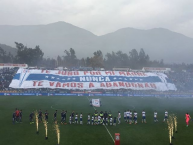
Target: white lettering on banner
91	80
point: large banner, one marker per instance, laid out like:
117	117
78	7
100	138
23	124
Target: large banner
89	80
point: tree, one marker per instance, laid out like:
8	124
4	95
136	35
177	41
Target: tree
143	58
97	59
28	55
70	58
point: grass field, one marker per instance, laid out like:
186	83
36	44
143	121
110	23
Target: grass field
140	134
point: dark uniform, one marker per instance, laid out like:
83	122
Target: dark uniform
40	115
105	116
20	116
31	117
14	117
72	117
46	116
62	117
55	116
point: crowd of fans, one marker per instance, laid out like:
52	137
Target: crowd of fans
183	81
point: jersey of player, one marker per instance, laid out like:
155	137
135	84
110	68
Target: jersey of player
89	117
99	118
62	114
20	113
130	114
155	114
135	114
143	113
76	117
119	115
166	114
111	120
125	114
55	114
40	113
46	114
80	117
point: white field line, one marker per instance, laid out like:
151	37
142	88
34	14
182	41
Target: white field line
104	125
109	133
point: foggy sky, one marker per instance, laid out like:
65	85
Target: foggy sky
101	16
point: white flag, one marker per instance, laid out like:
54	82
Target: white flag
96	102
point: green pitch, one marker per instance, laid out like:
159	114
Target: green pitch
140	134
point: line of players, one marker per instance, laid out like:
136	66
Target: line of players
98	118
129	118
95	119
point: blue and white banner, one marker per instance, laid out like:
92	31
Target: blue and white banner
89	80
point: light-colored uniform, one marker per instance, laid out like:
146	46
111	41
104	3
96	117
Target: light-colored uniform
135	117
119	118
143	117
88	119
81	122
76	118
155	117
125	116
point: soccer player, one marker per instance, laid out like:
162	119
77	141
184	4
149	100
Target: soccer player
92	119
17	114
111	120
20	116
187	117
130	117
119	117
14	117
166	116
114	123
46	116
55	117
107	120
110	114
155	116
135	117
76	118
99	119
91	103
70	119
88	121
81	122
125	116
105	116
72	116
40	115
62	117
143	117
95	120
31	118
101	114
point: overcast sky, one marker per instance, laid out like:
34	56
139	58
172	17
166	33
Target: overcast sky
101	16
